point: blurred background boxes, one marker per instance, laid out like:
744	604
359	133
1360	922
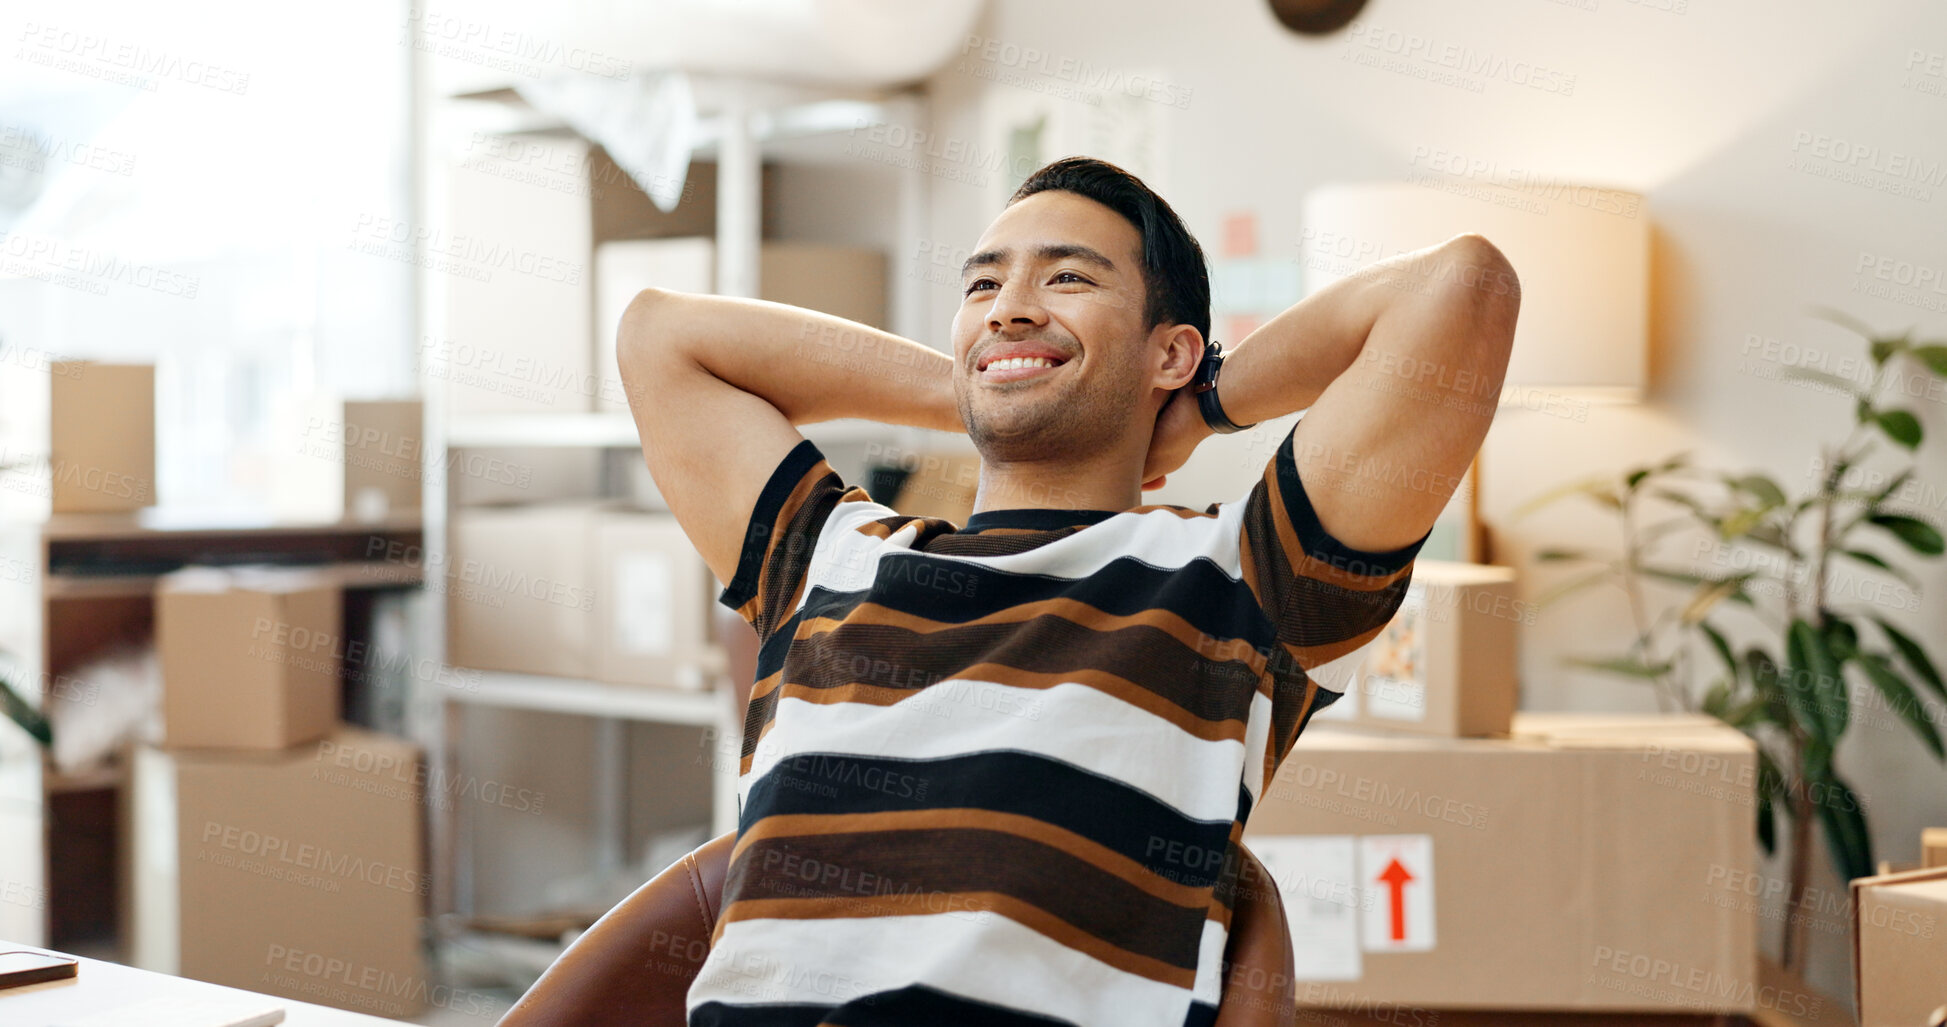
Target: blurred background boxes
342	459
80	437
515	284
299	872
1899	955
653	595
587	589
250	656
1446	664
847	281
1535	872
1933	847
520	588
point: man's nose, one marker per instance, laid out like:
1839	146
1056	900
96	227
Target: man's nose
1015	305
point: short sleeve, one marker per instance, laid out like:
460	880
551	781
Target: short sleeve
783	531
1323	598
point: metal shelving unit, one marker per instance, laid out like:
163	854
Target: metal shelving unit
738	118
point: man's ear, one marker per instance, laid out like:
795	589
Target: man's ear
1182	352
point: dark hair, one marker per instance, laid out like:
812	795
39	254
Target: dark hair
1176	281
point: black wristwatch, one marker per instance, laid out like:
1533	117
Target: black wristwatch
1205	387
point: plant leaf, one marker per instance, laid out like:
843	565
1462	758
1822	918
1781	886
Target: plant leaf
1841	640
1722	647
1580	486
1843	320
1709	596
1919	536
1901	697
1844	820
30	719
1892	486
1824	378
1810	682
1761	486
1915	657
1933	356
1900	426
1868	558
1629	666
1571	586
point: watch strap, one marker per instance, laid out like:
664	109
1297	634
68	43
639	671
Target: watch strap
1205	387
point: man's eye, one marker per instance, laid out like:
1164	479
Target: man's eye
1071	274
978	282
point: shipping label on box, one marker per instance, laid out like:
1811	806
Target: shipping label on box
1446	663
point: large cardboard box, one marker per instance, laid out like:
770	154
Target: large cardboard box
521	588
341	459
1899	946
298	873
1446	664
653	596
511	265
846	281
249	656
75	436
1585	863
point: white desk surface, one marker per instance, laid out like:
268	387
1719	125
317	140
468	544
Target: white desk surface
101	987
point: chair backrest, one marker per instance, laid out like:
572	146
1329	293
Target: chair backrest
634	966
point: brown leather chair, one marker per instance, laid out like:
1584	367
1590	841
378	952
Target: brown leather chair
634	966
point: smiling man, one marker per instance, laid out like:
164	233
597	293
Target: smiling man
996	772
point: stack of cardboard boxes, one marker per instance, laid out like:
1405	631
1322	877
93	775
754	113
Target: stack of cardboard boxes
276	848
1439	853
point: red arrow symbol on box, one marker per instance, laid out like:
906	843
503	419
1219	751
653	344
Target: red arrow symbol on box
1396	877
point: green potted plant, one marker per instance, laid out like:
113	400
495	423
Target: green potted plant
1789	692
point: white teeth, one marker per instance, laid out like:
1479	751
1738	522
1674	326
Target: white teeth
1013	362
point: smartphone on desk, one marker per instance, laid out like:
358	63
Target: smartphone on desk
18	969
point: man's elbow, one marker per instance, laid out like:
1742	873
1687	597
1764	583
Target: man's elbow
1479	273
643	332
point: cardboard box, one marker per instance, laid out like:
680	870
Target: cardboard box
521	589
1899	947
340	459
846	281
512	266
75	436
1585	863
1933	847
653	596
298	873
1446	664
249	656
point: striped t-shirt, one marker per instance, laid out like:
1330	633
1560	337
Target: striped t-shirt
996	773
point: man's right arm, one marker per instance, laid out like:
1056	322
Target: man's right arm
718	385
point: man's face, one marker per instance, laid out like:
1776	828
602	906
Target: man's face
1060	274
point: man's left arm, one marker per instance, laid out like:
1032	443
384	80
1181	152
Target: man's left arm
1398	368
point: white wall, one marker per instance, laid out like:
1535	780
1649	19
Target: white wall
1701	109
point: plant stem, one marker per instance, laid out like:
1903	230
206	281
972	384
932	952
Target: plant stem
1632	587
1793	956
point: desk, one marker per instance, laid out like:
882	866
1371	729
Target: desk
101	987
